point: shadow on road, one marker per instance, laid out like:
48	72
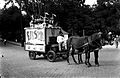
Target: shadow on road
42	58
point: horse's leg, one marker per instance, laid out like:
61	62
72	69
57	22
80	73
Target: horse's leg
72	54
86	50
96	57
80	58
87	55
88	58
68	58
69	53
74	58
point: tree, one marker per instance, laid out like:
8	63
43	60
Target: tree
108	13
73	15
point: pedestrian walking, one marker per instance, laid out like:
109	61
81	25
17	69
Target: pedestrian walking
117	39
4	38
4	41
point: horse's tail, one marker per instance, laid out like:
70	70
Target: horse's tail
69	43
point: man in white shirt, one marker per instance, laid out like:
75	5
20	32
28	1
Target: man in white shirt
60	40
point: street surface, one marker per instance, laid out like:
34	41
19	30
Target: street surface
16	64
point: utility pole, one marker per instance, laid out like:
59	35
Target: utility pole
83	32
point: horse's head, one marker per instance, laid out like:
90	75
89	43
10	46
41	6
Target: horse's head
108	37
103	37
96	40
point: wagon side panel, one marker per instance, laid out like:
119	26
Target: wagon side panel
35	39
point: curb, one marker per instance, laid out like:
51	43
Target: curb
12	42
15	43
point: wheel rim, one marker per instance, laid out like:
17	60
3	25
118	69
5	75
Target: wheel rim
51	56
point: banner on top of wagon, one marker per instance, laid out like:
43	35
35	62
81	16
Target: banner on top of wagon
35	36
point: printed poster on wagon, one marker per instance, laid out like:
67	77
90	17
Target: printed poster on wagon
35	36
35	40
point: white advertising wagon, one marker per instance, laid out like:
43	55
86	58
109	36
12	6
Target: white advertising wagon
43	40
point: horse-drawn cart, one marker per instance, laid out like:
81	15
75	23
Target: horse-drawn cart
43	40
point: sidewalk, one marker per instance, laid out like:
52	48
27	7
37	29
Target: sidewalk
15	43
111	46
12	42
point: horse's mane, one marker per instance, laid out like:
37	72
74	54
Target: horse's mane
94	37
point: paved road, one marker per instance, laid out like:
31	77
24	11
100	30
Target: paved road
16	64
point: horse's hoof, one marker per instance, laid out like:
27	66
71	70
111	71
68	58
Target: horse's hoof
85	63
97	65
89	65
76	63
79	62
68	63
82	62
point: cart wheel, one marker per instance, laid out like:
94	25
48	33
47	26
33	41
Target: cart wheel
65	56
51	56
32	55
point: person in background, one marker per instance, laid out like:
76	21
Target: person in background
60	40
4	41
4	38
109	37
117	40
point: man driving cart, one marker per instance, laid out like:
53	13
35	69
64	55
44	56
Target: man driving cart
61	39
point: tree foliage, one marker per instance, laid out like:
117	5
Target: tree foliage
107	15
72	15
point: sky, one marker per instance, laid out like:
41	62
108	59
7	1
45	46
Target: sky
1	3
90	2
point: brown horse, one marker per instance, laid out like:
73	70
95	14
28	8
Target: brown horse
85	45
